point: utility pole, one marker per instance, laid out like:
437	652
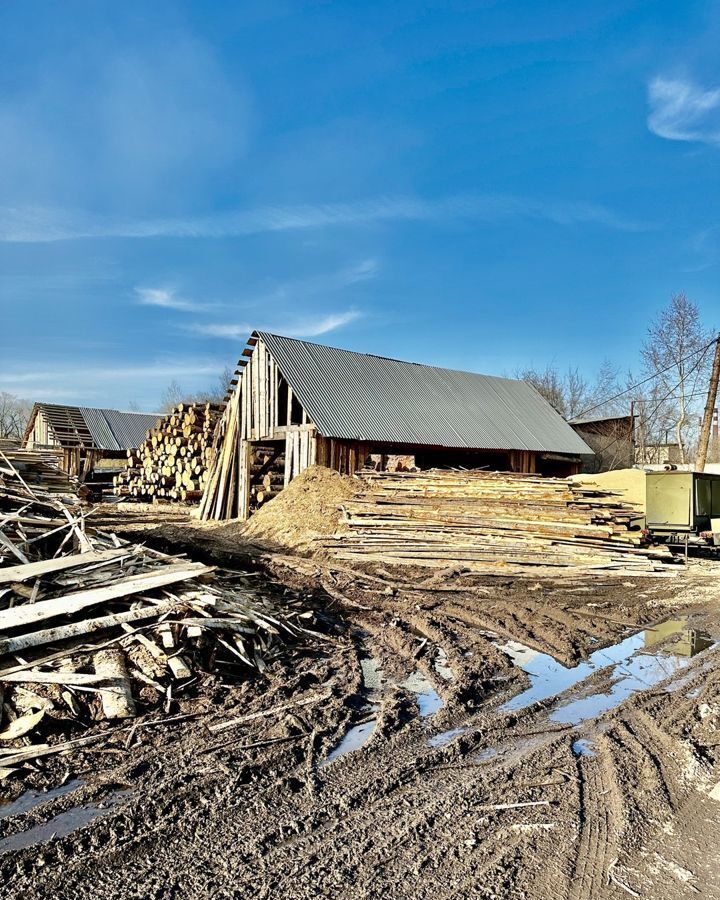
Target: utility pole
709	410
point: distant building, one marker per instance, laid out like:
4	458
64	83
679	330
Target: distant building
85	435
612	440
660	454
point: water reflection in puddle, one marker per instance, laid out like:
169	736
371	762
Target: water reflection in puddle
31	799
354	739
636	663
583	747
442	666
439	740
61	825
375	682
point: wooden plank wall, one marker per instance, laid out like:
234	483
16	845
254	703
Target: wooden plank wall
261	418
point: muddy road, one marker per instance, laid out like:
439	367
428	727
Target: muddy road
488	738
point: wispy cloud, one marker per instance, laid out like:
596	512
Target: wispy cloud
36	225
109	385
681	110
165	298
310	327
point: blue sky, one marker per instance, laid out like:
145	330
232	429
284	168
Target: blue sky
483	185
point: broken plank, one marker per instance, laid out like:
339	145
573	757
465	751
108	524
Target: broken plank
86	626
117	699
26	571
70	603
240	720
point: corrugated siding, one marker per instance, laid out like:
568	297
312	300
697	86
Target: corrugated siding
355	396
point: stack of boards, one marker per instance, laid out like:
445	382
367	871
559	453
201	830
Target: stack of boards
494	523
173	461
37	468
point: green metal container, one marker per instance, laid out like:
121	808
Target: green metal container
682	503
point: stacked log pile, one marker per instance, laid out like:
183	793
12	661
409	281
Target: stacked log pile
173	461
91	625
266	474
493	523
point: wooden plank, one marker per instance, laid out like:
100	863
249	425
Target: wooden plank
46	566
288	459
19	616
117	699
244	480
85	626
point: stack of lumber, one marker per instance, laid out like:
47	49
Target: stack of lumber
224	496
39	468
173	461
90	625
493	523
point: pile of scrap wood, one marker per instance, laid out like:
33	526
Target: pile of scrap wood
493	523
93	628
173	461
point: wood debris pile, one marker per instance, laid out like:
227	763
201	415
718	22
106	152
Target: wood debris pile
172	463
493	523
94	628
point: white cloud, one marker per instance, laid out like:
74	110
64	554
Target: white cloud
310	327
165	298
109	385
683	111
36	225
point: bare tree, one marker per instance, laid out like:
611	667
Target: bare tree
573	395
171	396
14	415
216	393
676	353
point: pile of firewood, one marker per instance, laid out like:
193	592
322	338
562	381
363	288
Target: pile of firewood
173	461
95	628
495	523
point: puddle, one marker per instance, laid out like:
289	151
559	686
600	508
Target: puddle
428	700
31	799
637	663
354	739
583	747
439	740
61	825
375	682
442	667
486	755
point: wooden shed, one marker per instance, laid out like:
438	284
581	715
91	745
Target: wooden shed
296	404
89	438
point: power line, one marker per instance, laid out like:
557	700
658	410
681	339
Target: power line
650	378
658	403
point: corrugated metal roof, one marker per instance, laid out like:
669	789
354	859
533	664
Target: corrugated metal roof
129	428
102	429
356	396
597	419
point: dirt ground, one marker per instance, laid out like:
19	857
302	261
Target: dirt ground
454	794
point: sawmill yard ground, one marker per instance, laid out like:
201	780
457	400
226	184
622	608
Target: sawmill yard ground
602	786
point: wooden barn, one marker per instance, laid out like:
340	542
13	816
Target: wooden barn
296	404
89	438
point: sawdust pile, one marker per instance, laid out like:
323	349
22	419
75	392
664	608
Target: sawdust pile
629	484
308	508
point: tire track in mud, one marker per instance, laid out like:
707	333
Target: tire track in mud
397	818
600	812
